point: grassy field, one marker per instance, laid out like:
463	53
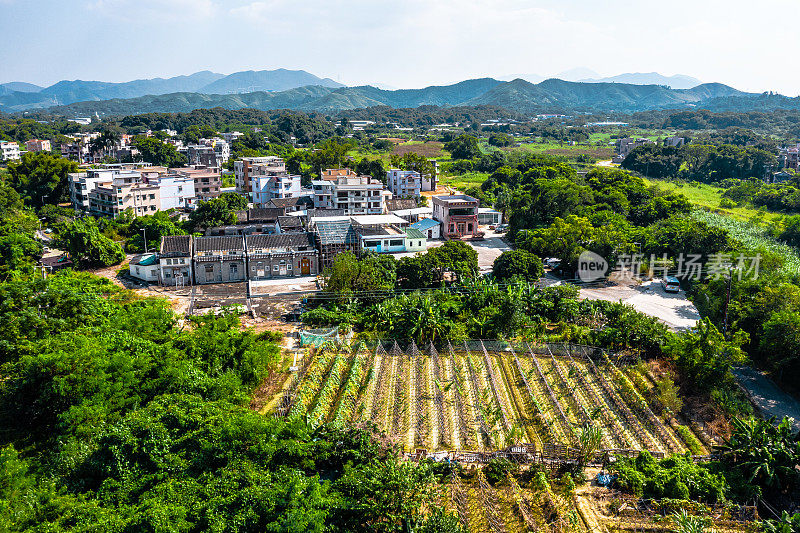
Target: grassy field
462	182
570	151
709	197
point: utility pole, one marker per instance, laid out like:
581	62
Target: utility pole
144	233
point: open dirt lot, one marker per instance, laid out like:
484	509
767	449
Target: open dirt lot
674	309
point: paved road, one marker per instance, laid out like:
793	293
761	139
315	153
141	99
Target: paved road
770	400
673	309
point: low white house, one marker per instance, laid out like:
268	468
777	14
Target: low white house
432	229
145	267
416	241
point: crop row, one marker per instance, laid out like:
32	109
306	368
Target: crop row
464	399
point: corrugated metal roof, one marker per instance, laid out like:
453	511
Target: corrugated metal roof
415	233
144	259
425	224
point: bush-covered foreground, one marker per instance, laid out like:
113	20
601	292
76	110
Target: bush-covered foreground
114	418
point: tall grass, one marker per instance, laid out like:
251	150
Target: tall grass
752	236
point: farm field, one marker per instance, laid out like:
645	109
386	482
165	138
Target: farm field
509	507
482	397
567	150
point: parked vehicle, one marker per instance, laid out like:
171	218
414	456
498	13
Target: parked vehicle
671	284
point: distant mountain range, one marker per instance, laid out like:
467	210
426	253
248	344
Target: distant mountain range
299	90
549	96
678	81
20	96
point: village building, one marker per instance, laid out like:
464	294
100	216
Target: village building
219	259
281	255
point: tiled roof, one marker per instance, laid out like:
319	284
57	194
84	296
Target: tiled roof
289	202
336	232
280	240
261	214
396	204
225	243
289	222
176	244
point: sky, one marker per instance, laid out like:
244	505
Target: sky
401	43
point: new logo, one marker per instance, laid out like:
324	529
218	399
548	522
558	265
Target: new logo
591	266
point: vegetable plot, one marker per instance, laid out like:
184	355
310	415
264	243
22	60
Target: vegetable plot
481	397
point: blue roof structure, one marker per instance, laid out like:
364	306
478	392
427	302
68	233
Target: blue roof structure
425	224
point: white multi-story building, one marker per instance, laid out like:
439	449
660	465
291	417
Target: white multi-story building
177	191
145	190
404	183
360	195
266	185
231	136
221	148
242	170
9	151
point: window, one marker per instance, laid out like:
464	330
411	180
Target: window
183	261
289	266
209	269
396	242
137	270
234	269
275	268
167	274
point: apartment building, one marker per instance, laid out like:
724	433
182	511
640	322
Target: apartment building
242	169
626	145
9	151
458	215
404	183
268	183
83	183
75	151
38	145
113	197
144	190
356	195
176	191
207	180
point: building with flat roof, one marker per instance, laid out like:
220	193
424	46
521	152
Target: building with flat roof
404	183
9	151
38	145
242	169
207	181
458	215
269	181
355	195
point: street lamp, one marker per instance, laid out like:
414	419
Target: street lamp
144	236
